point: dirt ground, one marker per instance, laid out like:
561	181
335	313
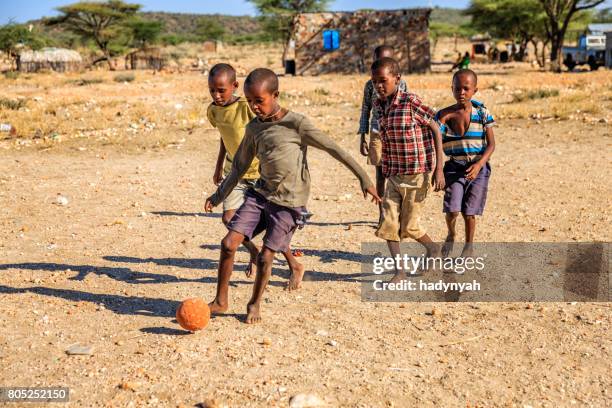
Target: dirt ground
135	162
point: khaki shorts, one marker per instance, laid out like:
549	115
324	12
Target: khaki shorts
374	149
402	205
236	198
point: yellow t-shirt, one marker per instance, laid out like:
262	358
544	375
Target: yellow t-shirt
231	121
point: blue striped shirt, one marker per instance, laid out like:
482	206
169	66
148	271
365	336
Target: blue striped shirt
471	145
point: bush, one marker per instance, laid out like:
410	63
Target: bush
124	78
12	104
537	94
11	74
85	81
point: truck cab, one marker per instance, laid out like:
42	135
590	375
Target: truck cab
591	50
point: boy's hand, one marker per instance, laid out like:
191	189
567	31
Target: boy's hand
372	191
217	177
472	172
363	146
208	207
438	181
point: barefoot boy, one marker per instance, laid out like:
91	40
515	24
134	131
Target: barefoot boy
230	114
369	124
468	140
410	153
279	139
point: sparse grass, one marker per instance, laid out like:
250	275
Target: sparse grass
85	81
11	74
535	94
129	77
12	104
117	114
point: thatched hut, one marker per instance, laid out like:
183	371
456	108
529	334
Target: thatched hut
148	58
56	59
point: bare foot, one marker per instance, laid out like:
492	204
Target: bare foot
468	251
434	251
398	277
253	315
447	248
216	307
295	280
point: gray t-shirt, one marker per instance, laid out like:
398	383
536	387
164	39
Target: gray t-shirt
281	149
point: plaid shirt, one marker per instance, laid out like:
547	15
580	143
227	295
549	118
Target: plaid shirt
407	140
369	96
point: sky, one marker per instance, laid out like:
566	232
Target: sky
21	11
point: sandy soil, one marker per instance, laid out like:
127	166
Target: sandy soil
109	268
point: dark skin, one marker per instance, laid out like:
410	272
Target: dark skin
457	118
222	88
264	103
386	84
229	246
364	148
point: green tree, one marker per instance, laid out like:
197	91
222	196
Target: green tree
438	29
103	22
519	20
279	16
559	15
603	16
209	29
145	32
15	36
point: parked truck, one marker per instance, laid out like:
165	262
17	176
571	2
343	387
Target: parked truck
591	50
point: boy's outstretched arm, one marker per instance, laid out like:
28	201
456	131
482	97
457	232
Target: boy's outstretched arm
311	136
218	176
364	120
366	108
472	172
242	160
438	176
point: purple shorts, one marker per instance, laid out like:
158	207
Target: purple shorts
257	214
461	195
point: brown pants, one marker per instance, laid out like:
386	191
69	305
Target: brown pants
402	206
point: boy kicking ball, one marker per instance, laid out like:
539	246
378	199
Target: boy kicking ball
279	138
230	114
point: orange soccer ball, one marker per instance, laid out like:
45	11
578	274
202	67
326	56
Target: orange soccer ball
193	314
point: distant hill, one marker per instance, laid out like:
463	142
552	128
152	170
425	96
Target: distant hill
185	24
449	16
180	27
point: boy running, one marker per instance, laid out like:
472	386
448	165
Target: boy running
279	139
411	160
368	123
469	142
230	114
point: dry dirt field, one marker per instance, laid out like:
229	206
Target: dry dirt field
134	161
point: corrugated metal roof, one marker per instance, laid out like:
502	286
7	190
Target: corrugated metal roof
599	28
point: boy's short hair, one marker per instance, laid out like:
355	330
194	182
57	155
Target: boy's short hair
466	72
382	49
262	76
223	69
386	62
